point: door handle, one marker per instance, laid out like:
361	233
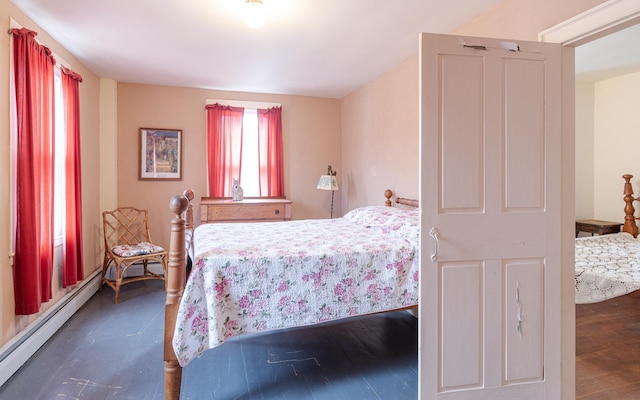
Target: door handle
434	234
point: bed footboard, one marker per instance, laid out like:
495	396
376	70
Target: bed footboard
175	281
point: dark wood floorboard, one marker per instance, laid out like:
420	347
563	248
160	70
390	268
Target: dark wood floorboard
608	350
108	351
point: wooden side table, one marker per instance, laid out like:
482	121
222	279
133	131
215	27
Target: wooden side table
595	226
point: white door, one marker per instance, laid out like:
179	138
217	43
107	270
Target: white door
491	200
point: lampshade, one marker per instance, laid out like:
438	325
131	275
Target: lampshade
254	13
327	182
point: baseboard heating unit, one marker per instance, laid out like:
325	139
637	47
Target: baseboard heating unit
24	345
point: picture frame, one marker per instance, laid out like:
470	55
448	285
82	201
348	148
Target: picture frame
160	154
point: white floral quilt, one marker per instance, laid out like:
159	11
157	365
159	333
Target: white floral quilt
262	276
606	266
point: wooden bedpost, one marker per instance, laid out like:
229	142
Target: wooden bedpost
175	281
630	225
388	194
189	194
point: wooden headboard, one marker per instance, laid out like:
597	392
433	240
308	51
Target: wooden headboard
630	225
399	200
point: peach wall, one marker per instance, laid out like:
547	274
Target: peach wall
380	137
311	135
584	150
616	140
10	324
523	19
108	144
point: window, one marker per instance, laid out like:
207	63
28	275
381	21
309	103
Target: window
250	172
59	159
32	89
45	171
244	143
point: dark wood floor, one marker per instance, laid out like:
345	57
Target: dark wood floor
608	350
109	351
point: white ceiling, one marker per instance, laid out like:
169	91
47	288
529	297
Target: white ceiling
613	55
324	48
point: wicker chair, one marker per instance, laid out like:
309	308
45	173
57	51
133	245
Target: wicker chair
127	242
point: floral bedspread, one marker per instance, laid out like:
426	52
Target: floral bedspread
606	266
262	276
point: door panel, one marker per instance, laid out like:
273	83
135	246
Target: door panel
524	133
462	125
490	196
523	320
461	357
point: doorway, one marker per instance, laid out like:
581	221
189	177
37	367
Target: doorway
606	19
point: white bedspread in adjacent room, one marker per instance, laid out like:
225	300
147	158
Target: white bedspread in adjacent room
607	266
262	276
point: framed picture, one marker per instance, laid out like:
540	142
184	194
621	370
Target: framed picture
160	154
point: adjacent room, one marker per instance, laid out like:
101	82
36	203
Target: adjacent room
605	137
157	107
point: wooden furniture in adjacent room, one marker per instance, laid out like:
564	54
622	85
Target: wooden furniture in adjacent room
247	210
598	227
607	265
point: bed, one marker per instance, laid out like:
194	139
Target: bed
608	266
254	277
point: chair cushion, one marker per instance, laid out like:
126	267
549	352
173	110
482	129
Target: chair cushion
132	250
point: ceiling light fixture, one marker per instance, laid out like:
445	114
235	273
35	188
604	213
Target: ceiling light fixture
254	13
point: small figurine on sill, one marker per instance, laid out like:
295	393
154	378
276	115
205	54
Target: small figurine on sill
236	191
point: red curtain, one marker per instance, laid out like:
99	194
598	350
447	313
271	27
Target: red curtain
270	152
72	267
224	147
33	69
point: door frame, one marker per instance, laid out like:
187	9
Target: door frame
608	17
